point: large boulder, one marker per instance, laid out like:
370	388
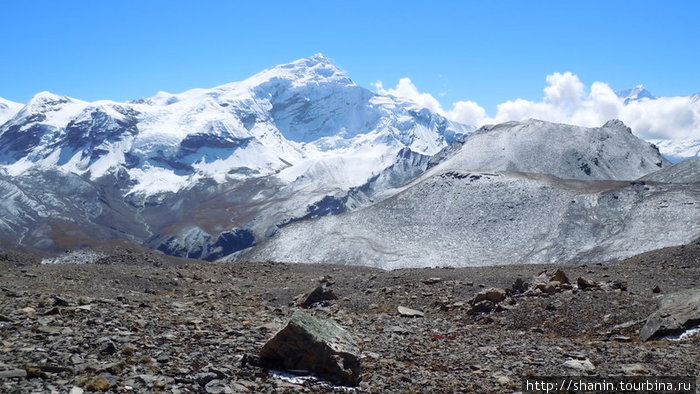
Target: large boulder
319	346
677	313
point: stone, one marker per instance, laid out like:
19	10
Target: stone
58	301
34	372
29	311
492	294
677	313
49	330
319	346
215	387
656	289
100	383
518	287
432	281
503	380
484	306
13	373
579	365
552	287
634	369
559	276
203	378
585	283
108	348
76	390
403	311
319	294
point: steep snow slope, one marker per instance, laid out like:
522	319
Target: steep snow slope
467	218
684	172
8	109
569	152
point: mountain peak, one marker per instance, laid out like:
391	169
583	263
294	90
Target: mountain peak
635	94
46	97
315	69
617	124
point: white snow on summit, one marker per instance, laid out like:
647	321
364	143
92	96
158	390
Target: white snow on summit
8	109
568	152
306	120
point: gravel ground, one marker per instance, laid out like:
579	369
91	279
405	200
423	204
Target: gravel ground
137	321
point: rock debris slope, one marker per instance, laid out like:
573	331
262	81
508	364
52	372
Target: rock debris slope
473	218
684	172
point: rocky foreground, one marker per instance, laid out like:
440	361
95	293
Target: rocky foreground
135	321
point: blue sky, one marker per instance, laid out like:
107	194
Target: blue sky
486	51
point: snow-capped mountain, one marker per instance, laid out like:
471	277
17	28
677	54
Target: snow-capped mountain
8	109
636	93
677	149
209	173
298	134
517	192
568	152
285	119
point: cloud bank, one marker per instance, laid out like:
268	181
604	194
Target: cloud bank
567	100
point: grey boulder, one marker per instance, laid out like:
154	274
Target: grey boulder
677	313
319	346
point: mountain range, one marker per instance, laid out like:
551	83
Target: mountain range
299	163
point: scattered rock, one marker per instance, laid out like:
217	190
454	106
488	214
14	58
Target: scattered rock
109	348
559	276
492	294
34	372
579	365
319	294
677	313
634	369
319	346
58	301
204	377
585	283
484	306
503	380
403	311
13	373
100	383
656	289
619	285
432	281
519	286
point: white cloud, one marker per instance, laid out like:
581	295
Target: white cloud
467	112
568	100
407	90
